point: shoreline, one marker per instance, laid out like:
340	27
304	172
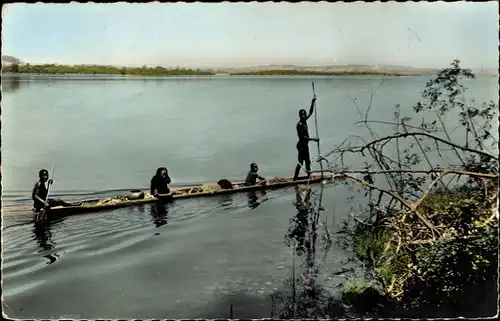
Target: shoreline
219	75
94	70
145	71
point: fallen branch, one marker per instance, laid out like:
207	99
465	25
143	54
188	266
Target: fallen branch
340	174
410	207
385	123
444	141
431	185
413	207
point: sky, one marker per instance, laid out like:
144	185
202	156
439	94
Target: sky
248	34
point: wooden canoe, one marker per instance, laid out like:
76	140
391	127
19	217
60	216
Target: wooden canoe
96	205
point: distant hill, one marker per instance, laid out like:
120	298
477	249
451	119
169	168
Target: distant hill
485	71
348	67
326	68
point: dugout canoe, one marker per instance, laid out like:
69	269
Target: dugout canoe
206	190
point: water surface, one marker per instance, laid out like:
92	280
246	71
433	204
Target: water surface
195	257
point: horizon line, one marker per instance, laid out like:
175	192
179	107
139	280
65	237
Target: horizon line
266	65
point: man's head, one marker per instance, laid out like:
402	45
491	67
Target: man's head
302	115
161	172
44	175
254	168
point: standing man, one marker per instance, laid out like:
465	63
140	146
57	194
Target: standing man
303	144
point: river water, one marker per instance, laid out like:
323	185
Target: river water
194	258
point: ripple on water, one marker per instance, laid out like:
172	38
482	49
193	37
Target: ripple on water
16	238
101	233
228	284
22	268
119	245
93	224
20	288
194	209
89	235
119	230
25	260
116	243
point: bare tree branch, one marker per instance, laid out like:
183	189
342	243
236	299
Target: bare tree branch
340	175
386	123
412	134
410	207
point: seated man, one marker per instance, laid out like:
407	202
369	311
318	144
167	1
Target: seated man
40	192
253	175
159	182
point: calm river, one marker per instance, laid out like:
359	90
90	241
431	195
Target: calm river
196	257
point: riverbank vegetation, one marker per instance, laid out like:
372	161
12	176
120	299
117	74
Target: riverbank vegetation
54	69
424	219
353	72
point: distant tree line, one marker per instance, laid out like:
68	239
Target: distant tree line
103	70
162	71
355	72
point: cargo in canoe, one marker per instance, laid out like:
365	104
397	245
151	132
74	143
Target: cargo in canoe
140	197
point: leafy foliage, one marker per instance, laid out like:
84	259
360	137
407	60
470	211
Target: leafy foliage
103	70
432	242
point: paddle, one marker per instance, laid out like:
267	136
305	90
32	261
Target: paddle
42	214
316	125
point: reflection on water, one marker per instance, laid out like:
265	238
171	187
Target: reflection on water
51	257
12	83
43	236
308	295
116	249
159	212
138	209
226	201
253	199
299	223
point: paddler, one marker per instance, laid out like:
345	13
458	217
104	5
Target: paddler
253	175
159	182
40	192
304	139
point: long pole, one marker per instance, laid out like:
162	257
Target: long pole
48	187
316	125
293	279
